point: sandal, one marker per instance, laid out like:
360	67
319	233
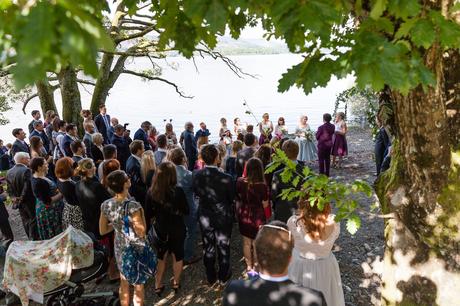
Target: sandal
175	287
159	290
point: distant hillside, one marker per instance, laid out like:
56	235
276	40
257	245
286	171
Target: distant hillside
229	46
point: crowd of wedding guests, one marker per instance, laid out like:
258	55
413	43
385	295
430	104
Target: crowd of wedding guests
174	185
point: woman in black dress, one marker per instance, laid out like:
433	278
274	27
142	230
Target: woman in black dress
48	200
90	195
167	204
96	148
71	214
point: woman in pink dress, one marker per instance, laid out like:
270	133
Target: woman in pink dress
340	147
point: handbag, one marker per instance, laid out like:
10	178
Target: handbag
154	239
139	261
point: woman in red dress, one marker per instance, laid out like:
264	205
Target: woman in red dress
252	193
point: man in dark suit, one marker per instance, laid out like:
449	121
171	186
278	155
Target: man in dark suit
39	131
69	137
324	138
215	191
138	188
273	245
18	179
244	155
36	115
102	121
284	209
382	142
78	151
122	142
190	147
19	145
143	134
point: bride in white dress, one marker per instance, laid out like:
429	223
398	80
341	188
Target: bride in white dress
313	264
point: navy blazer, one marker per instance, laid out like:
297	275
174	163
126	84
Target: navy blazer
19	146
190	148
88	141
283	209
102	128
123	152
66	141
44	138
138	188
142	135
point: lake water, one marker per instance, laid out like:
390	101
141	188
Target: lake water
217	93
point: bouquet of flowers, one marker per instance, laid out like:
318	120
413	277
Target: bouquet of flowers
309	135
266	131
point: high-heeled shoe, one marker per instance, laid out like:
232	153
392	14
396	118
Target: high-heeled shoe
175	287
159	290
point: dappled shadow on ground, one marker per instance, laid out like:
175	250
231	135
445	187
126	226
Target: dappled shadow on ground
359	256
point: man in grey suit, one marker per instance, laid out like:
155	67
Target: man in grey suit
18	180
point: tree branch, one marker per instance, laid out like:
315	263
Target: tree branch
154	78
230	63
127	28
87	82
135	35
136	21
31	97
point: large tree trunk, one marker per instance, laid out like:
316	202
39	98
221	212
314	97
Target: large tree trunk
101	90
71	101
422	191
46	96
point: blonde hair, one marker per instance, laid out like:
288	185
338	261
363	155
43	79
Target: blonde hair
97	136
84	167
147	164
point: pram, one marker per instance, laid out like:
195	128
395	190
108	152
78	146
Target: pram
55	271
72	293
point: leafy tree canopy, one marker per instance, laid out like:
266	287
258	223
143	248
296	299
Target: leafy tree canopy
381	41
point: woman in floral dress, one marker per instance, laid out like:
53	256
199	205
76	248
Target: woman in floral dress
112	219
305	138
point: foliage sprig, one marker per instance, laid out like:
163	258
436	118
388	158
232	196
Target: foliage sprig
320	190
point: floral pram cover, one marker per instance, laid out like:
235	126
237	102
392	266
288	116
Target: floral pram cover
35	267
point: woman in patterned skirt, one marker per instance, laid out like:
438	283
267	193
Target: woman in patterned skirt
71	214
48	200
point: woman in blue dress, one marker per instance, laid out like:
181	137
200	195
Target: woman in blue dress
306	140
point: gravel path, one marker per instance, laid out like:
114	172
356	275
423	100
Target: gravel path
359	256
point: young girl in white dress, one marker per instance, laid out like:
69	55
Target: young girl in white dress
307	147
313	264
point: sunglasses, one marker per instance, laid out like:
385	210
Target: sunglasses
278	228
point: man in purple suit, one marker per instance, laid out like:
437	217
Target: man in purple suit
324	137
